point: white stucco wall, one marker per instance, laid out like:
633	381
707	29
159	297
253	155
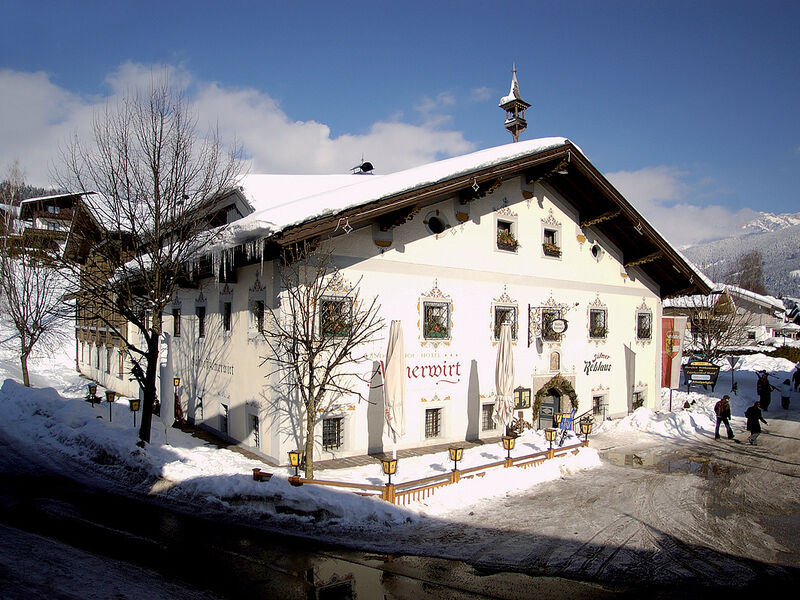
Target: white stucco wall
464	267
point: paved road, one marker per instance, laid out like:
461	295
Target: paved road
676	515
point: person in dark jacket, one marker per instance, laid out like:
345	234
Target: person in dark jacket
764	389
754	420
723	412
796	378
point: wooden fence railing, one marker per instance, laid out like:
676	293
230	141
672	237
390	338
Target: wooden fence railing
418	489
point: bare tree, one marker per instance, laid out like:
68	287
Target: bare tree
316	336
716	325
749	274
31	288
156	180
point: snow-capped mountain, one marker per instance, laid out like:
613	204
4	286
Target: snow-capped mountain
770	222
777	237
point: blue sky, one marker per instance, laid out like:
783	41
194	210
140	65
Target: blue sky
690	108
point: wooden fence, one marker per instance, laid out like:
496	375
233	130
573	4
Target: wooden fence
419	489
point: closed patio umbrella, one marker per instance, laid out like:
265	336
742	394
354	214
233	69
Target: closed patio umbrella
504	379
394	385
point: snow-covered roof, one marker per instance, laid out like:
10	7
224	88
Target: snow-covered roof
54	197
330	194
698	301
759	298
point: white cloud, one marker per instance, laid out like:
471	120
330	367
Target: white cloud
36	116
662	195
480	94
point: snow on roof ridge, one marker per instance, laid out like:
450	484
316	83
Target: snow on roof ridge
771	300
367	189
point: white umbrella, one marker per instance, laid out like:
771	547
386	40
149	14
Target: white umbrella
394	385
504	379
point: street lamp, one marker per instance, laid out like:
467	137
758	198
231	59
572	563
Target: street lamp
110	399
176	409
389	467
508	444
92	395
134	406
557	418
294	460
456	452
586	429
550	435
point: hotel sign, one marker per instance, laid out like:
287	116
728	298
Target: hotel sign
700	372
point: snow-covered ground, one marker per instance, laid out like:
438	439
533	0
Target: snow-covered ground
52	420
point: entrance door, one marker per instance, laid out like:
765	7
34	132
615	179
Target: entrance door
550	404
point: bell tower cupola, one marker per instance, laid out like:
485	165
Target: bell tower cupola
515	107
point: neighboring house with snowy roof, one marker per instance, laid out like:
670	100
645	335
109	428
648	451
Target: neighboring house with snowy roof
759	316
528	232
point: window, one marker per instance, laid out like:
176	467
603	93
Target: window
598	325
433	422
548	316
121	371
109	352
598	406
503	314
436	322
226	316
256	433
506	236
176	322
335	316
644	321
555	361
200	311
550	242
97	357
258	314
83	352
436	222
223	418
487	423
751	335
332	433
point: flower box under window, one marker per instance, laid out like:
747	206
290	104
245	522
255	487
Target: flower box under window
436	324
551	249
335	317
506	240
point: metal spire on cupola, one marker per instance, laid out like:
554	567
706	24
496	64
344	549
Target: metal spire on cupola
515	107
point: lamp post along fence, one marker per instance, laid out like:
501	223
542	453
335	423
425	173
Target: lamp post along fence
110	396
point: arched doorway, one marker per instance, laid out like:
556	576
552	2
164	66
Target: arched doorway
551	403
555	395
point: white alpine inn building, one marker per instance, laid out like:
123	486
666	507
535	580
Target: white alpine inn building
528	232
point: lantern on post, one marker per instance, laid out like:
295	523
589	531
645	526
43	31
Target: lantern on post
92	395
294	460
389	467
110	399
508	446
456	452
134	405
586	429
550	436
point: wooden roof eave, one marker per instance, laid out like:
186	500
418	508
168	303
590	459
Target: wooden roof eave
424	195
638	223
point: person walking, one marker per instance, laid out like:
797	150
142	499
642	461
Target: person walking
764	389
796	378
786	392
723	411
754	420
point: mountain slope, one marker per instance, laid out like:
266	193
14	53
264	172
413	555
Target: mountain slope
777	237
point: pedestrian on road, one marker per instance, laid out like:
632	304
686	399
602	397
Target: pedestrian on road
796	378
754	420
764	389
723	411
786	392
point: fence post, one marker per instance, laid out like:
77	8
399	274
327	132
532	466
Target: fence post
551	453
388	493
509	462
455	476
